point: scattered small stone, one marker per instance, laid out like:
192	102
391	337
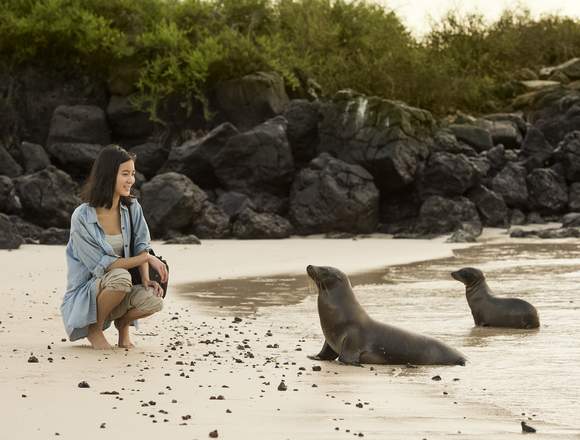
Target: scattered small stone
282	386
83	384
316	368
436	378
186	417
359	405
527	428
228	411
33	360
110	393
236	321
214	434
103	425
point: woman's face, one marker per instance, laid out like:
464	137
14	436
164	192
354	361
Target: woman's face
125	178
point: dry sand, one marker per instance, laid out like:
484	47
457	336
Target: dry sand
196	370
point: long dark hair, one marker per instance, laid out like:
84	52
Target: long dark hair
100	186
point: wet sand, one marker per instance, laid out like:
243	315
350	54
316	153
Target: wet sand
195	361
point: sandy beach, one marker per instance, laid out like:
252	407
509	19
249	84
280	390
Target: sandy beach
199	368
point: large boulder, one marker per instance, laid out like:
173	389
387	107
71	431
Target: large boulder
568	154
233	202
555	112
84	124
510	183
9	238
129	126
34	157
196	158
445	141
399	211
212	222
9	201
476	137
331	195
31	233
574	197
491	206
446	174
170	202
303	117
8	166
388	138
440	215
257	160
536	149
251	100
548	193
250	224
75	158
149	158
496	157
516	120
48	197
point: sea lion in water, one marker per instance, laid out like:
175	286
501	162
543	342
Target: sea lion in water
490	311
354	337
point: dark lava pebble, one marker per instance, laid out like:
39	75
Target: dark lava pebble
84	384
316	368
213	434
282	386
436	378
33	360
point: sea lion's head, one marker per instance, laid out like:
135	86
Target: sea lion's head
327	278
468	275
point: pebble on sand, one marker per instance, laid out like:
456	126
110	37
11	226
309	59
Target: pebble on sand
213	434
527	428
84	384
282	386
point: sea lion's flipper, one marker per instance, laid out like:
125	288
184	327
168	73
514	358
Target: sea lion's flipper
326	354
350	353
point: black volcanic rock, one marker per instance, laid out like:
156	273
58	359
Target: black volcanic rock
170	202
440	215
48	197
510	183
196	158
548	192
252	225
331	195
257	160
388	138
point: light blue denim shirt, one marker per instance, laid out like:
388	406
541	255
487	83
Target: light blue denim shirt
88	255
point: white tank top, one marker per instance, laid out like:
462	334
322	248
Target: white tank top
116	242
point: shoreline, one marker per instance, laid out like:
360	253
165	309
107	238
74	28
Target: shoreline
185	356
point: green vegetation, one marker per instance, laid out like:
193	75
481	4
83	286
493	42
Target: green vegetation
183	47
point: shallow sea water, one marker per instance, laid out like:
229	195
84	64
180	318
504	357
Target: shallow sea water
527	373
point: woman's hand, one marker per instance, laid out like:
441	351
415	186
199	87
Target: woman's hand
156	287
159	267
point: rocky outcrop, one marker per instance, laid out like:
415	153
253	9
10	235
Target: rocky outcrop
302	130
9	201
510	183
491	207
8	166
212	222
149	158
548	192
129	126
446	174
83	124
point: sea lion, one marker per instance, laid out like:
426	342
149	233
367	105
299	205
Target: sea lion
354	337
491	311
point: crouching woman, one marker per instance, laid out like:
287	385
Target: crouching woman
99	288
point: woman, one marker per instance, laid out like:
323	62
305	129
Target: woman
99	288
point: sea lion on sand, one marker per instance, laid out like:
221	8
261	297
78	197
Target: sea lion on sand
354	337
490	311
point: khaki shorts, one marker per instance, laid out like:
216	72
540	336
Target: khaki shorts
138	297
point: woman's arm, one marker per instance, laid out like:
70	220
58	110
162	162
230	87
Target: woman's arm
130	263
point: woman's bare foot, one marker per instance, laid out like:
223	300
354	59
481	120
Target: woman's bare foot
98	340
124	336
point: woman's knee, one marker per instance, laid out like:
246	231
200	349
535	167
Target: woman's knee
117	279
149	304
